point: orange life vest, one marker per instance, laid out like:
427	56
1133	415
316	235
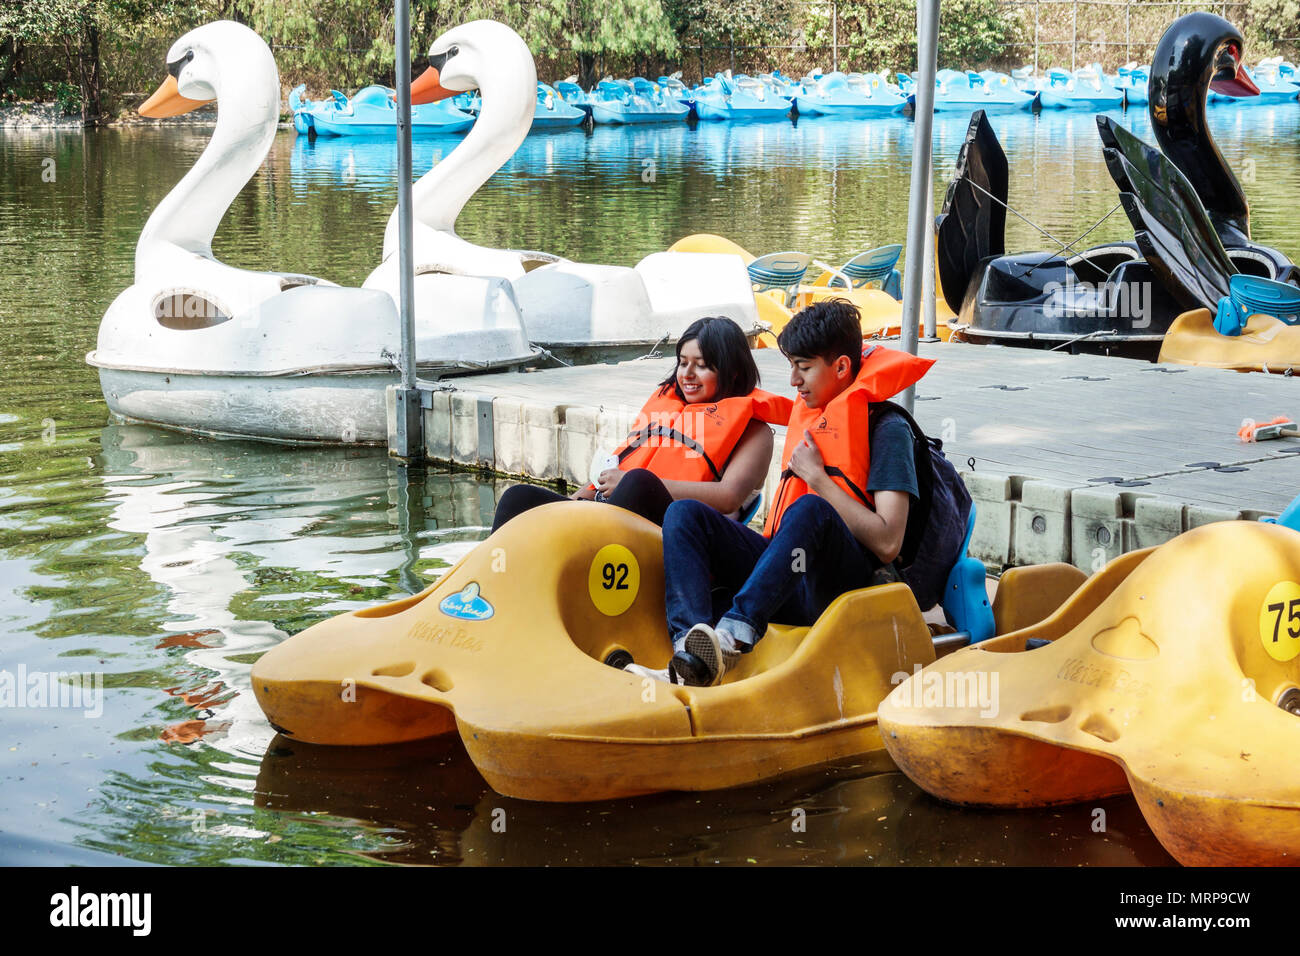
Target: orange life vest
840	430
691	441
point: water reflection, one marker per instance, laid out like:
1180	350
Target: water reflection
170	562
434	808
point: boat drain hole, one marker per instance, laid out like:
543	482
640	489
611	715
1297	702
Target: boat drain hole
618	658
1290	700
1101	728
437	680
394	670
1047	715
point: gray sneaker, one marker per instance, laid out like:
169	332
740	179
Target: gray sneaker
714	655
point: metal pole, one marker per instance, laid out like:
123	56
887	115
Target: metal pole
921	204
927	280
1035	36
1074	40
835	37
405	440
1128	31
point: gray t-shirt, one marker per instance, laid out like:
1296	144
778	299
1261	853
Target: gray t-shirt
893	466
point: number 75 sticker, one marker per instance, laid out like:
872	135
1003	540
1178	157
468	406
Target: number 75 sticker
1279	621
613	579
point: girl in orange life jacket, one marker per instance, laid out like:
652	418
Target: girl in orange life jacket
702	435
822	544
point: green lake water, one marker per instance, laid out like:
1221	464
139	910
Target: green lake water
166	563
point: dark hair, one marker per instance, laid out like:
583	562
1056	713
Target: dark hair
826	330
725	350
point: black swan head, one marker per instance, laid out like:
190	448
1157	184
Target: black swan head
1198	52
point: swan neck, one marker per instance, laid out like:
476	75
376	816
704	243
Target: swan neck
1180	83
189	215
440	194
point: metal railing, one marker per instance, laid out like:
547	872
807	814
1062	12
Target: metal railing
1053	30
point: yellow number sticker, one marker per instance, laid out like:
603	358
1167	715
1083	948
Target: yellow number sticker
613	580
1279	621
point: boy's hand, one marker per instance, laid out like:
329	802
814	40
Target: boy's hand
806	461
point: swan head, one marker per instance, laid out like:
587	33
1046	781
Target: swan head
223	59
481	55
1198	52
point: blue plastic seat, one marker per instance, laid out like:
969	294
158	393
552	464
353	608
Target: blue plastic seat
748	511
1290	518
965	597
874	268
779	270
1252	295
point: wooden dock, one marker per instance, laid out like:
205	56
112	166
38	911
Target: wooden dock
1069	457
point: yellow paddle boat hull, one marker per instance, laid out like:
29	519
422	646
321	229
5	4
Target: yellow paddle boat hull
1174	673
1266	344
507	649
882	314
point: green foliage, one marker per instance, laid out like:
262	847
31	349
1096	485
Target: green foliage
882	34
337	38
976	31
594	29
600	27
66	95
746	22
1275	20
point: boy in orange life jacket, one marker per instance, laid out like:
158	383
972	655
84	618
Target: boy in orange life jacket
815	546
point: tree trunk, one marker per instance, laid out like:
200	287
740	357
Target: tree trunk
586	70
92	88
11	52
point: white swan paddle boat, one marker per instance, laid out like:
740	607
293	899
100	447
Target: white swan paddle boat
202	346
578	311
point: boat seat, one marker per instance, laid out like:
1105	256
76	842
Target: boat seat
965	597
779	270
748	511
1253	295
875	269
1290	518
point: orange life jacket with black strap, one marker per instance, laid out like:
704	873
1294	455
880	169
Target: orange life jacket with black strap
684	441
840	430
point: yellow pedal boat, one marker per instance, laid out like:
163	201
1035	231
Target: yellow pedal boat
882	314
1266	344
1174	673
508	649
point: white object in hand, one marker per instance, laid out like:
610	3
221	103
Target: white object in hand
600	462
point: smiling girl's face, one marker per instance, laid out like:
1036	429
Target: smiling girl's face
698	382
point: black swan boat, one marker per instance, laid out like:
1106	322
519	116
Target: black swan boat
1190	215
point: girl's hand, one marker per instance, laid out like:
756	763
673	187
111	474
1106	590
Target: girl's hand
608	480
806	461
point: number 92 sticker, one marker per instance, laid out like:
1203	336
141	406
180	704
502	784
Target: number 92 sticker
1279	621
613	580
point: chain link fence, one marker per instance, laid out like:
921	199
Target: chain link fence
1042	34
834	34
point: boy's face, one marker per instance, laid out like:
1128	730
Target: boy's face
817	380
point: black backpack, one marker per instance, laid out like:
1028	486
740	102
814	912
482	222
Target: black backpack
936	527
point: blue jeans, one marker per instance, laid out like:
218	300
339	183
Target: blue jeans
717	570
